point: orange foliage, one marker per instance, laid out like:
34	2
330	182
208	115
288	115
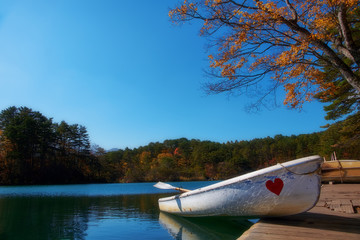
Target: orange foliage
177	151
5	145
164	155
145	158
268	35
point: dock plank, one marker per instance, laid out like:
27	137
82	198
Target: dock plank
321	222
355	202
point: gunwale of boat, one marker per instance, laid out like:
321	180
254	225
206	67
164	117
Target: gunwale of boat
329	165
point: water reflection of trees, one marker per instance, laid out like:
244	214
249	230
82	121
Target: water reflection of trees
68	217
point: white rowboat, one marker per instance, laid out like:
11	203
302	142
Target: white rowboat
284	189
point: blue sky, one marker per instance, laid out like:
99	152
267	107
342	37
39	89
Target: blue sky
125	72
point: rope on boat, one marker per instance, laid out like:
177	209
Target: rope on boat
317	170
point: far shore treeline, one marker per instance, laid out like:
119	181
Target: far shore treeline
36	150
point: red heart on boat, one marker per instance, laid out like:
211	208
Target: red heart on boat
276	186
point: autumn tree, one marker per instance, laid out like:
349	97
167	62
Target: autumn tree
290	41
33	149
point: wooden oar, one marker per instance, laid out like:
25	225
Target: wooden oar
162	185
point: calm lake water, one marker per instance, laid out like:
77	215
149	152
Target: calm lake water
103	211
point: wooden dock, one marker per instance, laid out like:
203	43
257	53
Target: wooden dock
336	216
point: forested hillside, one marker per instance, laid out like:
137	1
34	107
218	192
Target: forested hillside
183	159
35	150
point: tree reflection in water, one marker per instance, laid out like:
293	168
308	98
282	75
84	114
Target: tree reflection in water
38	217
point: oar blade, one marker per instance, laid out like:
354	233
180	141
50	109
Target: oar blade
162	185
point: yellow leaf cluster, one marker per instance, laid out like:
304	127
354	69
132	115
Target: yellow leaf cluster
183	10
312	83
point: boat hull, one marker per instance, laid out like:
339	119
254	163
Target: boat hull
280	190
